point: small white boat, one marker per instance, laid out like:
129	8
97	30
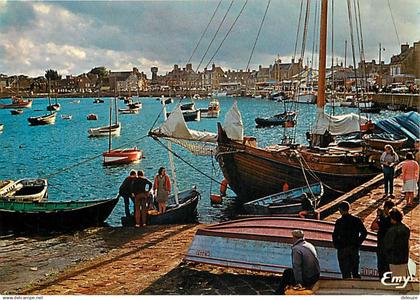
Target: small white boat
128	111
75	102
66	117
1	127
219	94
104	131
30	190
306	98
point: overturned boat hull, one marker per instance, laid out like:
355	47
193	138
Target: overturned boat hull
264	244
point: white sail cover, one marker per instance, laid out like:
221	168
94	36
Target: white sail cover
233	125
197	142
176	127
338	125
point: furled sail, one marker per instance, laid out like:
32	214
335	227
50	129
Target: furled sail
338	125
198	142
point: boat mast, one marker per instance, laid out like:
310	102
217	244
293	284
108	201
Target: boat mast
116	110
110	125
322	56
171	159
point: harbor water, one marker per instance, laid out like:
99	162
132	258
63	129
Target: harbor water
39	151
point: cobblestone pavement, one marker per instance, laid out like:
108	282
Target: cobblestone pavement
126	270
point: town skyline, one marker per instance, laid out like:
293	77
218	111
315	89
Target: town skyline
122	35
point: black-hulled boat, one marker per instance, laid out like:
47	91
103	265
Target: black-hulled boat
184	212
16	111
43	120
276	120
54	215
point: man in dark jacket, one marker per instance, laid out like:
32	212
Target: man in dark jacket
126	191
383	223
396	244
349	234
305	263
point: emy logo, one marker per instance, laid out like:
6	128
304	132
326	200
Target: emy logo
400	282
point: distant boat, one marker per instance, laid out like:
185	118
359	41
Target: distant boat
54	107
217	94
168	100
129	111
28	190
66	117
92	117
213	110
279	119
288	202
55	215
43	120
104	131
264	244
16	112
98	100
189	112
135	105
371	110
1	127
75	102
17	102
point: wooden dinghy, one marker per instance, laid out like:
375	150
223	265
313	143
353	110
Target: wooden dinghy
115	129
17	103
279	119
25	190
378	141
55	215
264	244
185	212
288	202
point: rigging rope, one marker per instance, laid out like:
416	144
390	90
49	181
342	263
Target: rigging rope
258	34
227	33
214	36
87	160
305	30
314	33
298	28
186	162
204	32
393	22
362	47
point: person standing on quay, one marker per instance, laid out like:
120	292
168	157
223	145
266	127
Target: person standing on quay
162	188
389	160
417	157
396	244
305	263
381	224
410	177
142	195
349	234
126	191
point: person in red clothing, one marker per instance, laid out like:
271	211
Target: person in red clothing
410	177
162	189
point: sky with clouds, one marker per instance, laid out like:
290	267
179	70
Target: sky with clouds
74	36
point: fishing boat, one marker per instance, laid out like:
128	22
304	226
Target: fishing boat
379	140
189	112
17	102
43	120
264	244
66	117
54	107
212	111
92	117
28	190
55	215
113	129
287	202
98	100
16	111
129	111
254	172
119	156
135	105
276	120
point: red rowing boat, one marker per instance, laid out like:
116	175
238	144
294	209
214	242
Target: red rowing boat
17	103
122	156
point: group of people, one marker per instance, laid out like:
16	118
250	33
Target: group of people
139	189
409	172
348	235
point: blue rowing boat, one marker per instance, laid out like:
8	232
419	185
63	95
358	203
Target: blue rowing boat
293	201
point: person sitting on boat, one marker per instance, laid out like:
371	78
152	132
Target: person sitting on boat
410	177
126	191
141	199
306	271
381	224
348	235
162	189
397	244
389	160
307	206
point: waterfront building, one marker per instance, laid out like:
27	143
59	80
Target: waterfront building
405	66
128	81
